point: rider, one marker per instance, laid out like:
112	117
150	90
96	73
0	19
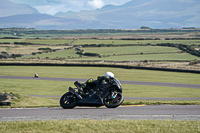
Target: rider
91	83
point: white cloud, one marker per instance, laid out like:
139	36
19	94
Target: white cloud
52	10
96	3
54	6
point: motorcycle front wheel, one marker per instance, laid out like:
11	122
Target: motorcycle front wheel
67	101
113	102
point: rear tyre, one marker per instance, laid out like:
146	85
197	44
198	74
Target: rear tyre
67	101
113	102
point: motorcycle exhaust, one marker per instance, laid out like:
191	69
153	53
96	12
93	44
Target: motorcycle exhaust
73	91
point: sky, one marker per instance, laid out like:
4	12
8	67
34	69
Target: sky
54	6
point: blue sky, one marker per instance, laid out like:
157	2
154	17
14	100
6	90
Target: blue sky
54	6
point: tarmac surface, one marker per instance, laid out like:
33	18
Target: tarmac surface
156	112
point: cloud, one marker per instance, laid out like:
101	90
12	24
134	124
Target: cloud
54	6
96	3
48	9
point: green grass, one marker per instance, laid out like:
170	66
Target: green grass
34	87
98	41
142	57
69	53
57	88
130	50
93	72
121	42
28	49
11	41
160	102
39	41
49	41
159	91
30	102
119	54
102	126
144	52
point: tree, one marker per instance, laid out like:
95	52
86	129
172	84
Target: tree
145	27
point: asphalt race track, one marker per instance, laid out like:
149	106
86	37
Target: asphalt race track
160	112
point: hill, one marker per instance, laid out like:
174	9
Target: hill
8	8
44	21
156	14
152	13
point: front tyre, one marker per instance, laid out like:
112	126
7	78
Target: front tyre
67	101
113	100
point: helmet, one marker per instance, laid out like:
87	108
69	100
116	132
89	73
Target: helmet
109	74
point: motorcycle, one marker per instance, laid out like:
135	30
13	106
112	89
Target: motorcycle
107	92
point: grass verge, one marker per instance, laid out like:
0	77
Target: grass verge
103	126
160	102
93	72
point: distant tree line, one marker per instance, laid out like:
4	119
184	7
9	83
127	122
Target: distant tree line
22	31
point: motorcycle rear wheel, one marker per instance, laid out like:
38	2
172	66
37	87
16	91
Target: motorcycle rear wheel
113	102
67	101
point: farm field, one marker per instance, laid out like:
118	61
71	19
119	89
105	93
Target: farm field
132	58
113	51
162	49
139	42
98	41
26	50
127	53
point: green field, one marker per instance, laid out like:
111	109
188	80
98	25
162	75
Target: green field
49	41
39	41
68	54
27	49
119	53
103	126
130	50
93	72
122	42
126	52
168	57
133	53
57	88
99	41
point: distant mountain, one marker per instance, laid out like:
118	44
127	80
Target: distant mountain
48	22
132	15
152	13
8	8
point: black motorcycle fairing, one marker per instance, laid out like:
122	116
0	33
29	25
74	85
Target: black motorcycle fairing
94	100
